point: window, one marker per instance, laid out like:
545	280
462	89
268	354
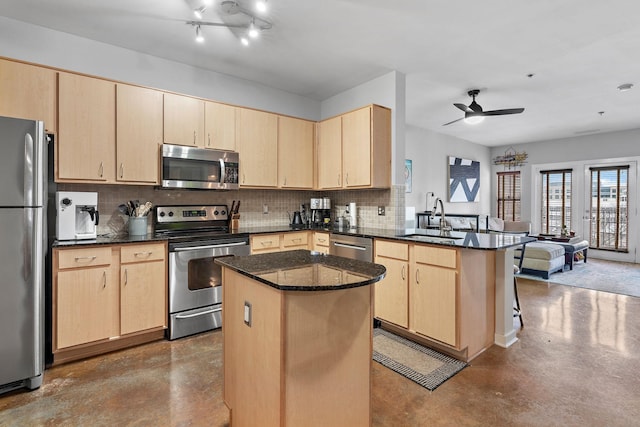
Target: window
556	201
609	208
509	196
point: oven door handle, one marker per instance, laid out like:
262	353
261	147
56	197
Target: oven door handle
202	313
222	245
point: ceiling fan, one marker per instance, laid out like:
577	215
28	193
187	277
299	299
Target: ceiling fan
474	114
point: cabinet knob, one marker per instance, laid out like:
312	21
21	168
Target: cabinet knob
208	140
418	276
101	169
121	170
403	273
104	279
194	137
126	277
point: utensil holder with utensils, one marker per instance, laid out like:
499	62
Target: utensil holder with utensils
137	225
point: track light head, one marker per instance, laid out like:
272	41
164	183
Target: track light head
261	6
199	37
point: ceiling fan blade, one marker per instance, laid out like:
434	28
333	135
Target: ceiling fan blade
456	120
503	112
464	108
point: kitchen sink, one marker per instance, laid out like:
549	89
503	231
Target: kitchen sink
431	238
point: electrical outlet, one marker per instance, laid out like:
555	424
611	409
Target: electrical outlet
265	209
381	210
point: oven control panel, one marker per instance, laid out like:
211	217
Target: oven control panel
166	214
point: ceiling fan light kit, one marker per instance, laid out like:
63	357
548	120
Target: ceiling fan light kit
249	30
474	114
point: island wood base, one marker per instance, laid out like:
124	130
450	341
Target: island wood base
305	359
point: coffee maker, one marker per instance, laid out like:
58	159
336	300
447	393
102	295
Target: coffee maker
320	211
77	215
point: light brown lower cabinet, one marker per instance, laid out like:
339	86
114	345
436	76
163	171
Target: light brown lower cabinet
303	359
321	242
440	296
277	242
107	297
392	300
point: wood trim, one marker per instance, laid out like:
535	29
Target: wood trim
105	346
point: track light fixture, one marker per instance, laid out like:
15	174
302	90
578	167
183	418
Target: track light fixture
199	37
251	29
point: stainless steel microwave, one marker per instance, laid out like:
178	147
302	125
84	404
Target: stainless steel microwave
199	168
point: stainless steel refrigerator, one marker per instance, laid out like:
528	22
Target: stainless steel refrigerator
23	246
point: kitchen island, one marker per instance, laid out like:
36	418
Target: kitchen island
298	339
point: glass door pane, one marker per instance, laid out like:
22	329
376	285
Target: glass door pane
609	208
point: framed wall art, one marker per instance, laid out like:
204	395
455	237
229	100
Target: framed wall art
464	180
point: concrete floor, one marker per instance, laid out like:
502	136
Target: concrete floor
576	364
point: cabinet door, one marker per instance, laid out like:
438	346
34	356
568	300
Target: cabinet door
433	302
321	242
86	129
392	292
258	147
86	306
138	134
28	92
295	153
142	296
220	126
356	148
183	120
330	153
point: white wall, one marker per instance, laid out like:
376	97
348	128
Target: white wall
429	152
43	46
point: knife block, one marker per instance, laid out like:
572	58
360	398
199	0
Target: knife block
234	222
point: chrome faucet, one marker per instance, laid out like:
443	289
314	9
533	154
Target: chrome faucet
444	228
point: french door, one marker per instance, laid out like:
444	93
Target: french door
609	210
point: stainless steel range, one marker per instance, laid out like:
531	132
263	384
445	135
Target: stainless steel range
197	236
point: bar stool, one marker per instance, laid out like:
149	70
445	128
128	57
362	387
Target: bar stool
518	257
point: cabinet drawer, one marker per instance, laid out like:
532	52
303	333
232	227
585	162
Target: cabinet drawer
139	253
85	257
265	242
295	239
321	239
389	249
435	256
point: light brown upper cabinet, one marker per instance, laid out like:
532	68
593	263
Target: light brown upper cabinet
329	160
183	120
366	148
354	149
295	153
86	129
138	134
28	92
220	126
257	133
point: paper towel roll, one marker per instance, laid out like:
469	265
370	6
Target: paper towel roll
353	215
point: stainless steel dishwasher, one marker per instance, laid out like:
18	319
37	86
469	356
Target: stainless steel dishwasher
360	248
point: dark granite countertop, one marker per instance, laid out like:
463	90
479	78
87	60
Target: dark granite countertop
457	239
302	270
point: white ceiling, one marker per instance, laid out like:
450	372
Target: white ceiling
579	52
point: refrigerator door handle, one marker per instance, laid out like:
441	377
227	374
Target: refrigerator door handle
35	163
